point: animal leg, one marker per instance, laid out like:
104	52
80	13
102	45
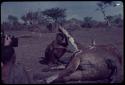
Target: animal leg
74	76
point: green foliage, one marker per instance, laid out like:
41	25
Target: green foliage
34	18
102	5
55	13
87	19
12	19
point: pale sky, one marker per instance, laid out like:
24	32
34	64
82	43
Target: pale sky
75	9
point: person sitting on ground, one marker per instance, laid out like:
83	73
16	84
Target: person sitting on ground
56	49
12	72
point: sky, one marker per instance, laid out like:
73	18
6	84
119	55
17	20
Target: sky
75	9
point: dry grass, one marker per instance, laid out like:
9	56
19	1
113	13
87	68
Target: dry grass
31	48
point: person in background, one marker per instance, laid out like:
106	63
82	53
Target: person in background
12	72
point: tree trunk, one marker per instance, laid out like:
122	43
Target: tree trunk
105	18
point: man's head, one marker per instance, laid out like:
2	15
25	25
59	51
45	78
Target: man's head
7	54
60	37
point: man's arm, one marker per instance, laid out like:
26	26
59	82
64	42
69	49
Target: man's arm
66	40
67	50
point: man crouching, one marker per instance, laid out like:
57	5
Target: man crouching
56	49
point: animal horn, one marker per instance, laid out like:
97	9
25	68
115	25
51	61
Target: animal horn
71	39
93	43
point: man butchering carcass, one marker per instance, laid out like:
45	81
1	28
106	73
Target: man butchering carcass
88	64
56	50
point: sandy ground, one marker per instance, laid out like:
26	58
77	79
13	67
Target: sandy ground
31	48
